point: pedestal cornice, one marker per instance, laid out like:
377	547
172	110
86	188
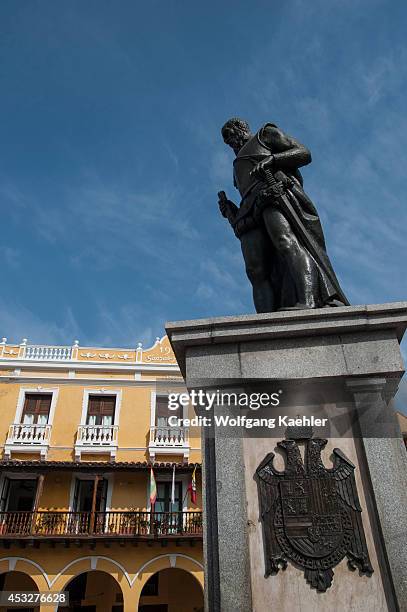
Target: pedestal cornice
325	343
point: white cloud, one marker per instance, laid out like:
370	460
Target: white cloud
385	75
105	226
126	326
205	292
10	256
18	322
221	166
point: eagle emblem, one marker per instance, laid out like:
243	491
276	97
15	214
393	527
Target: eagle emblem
311	515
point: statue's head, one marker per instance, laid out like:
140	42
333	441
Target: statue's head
235	133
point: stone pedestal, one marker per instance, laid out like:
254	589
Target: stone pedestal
343	363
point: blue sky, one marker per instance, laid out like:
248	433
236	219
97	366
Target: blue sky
111	156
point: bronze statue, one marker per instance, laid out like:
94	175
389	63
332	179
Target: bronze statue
278	226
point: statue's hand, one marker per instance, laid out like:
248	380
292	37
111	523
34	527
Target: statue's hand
226	207
258	170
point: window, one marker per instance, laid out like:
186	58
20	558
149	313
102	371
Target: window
18	494
36	408
163	501
83	495
101	410
162	412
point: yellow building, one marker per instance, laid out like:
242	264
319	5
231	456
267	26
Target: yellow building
402	419
80	429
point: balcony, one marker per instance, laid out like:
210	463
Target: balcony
28	438
169	441
101	525
96	439
47	353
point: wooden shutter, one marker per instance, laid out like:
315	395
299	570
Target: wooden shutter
101	405
162	411
108	405
161	407
101	495
76	496
94	405
4	494
37	403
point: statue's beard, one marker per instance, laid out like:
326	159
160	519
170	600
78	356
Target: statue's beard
239	142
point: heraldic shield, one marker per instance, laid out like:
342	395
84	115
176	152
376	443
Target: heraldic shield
310	514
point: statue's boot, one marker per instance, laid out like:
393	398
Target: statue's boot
334	303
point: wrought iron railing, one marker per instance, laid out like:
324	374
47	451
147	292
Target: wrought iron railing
100	524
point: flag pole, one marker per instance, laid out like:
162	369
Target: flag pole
172	490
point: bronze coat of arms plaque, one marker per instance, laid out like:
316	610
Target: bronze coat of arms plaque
311	515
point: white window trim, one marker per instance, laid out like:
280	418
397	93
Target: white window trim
163	450
54	391
9	446
82	448
85	402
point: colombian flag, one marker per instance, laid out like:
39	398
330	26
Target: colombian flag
153	488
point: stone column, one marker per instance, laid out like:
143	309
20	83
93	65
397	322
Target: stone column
210	530
227	566
234	564
386	463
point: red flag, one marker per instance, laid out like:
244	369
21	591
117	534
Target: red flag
192	487
153	489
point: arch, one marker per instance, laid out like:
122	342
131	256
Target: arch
90	587
12	563
93	559
93	565
131	588
171	560
15	581
164	562
174	586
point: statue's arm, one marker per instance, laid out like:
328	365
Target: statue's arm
288	153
